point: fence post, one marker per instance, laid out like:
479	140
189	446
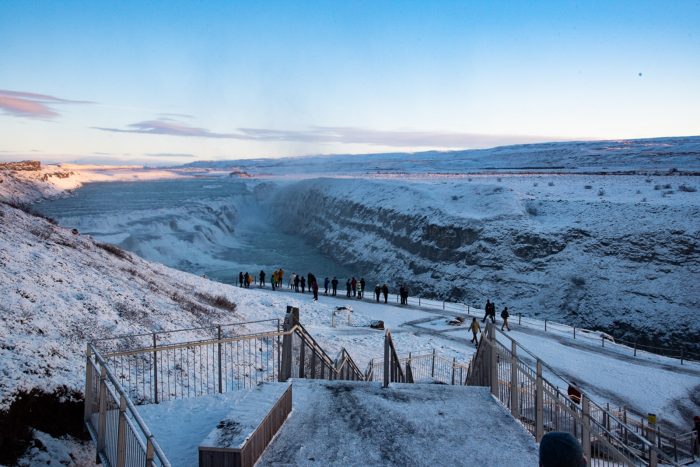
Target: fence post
418	301
514	405
454	363
602	340
545	328
651	436
635	348
539	404
121	433
387	358
155	370
221	387
286	365
493	363
149	452
102	421
574	332
432	366
681	355
88	385
586	426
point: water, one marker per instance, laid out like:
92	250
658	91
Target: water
209	226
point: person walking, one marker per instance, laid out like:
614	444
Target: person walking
326	282
334	283
353	284
314	289
385	291
296	282
250	280
487	310
475	328
280	277
273	282
377	292
492	313
505	315
262	278
240	279
360	289
303	283
293	281
362	284
348	285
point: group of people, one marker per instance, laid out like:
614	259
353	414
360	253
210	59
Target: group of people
299	283
489	312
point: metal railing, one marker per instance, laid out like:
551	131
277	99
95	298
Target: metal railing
121	436
393	372
542	407
425	367
126	371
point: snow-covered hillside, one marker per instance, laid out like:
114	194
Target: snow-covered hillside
60	290
643	155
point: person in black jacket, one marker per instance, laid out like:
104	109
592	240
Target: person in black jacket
262	278
505	315
385	291
487	311
348	284
240	279
326	282
377	292
334	284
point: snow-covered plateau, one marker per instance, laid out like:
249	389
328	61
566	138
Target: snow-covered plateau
616	252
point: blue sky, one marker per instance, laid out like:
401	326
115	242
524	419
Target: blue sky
176	81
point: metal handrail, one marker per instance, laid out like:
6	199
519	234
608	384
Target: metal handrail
634	444
130	407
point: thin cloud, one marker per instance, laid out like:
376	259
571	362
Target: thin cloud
342	135
168	154
31	105
167	126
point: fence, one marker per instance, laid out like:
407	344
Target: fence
176	365
425	367
121	436
542	407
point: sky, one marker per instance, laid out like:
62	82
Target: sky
163	82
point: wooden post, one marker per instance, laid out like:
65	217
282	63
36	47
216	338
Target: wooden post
432	366
155	370
121	433
418	301
586	426
651	436
88	386
681	355
150	454
387	358
539	404
221	387
545	328
635	348
102	421
514	405
574	332
454	363
493	363
520	316
286	365
602	340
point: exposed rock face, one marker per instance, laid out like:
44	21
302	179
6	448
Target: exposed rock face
23	165
631	270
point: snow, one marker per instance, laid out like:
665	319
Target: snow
182	425
354	423
47	450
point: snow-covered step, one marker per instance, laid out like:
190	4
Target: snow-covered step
181	426
358	423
